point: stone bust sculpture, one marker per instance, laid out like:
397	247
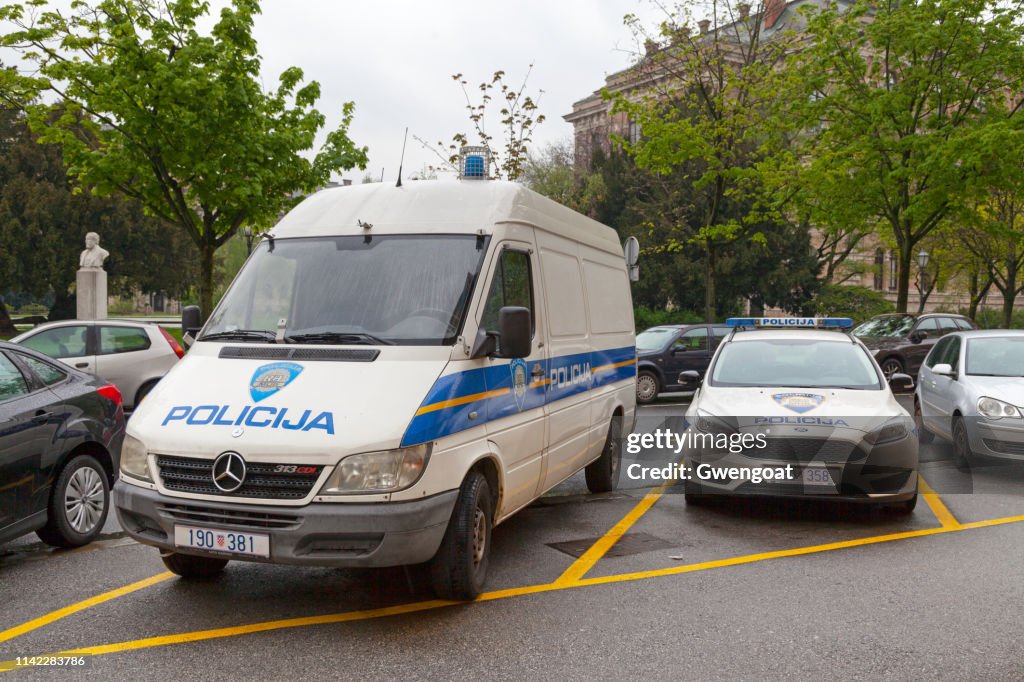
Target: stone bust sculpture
94	254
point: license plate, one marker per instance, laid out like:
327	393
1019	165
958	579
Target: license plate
229	542
818	476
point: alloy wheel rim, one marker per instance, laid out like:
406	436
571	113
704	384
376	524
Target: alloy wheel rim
645	387
889	368
84	500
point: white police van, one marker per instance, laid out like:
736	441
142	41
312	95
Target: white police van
392	373
794	407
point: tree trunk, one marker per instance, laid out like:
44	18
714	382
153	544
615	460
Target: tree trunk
7	327
65	306
709	283
903	278
1009	297
977	292
206	279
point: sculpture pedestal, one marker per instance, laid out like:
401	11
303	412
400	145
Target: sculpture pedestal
91	288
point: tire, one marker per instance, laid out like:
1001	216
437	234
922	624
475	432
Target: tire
647	387
603	473
79	503
962	454
892	365
923	434
142	393
189	566
459	568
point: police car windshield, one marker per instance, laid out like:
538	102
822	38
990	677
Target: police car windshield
892	327
654	338
401	289
795	363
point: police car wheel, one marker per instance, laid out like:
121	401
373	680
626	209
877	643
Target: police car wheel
188	566
647	387
923	434
459	568
961	445
79	503
603	473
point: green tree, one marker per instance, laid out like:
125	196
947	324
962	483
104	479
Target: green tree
175	118
43	222
902	106
706	114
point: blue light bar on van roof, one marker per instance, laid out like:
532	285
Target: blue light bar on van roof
792	322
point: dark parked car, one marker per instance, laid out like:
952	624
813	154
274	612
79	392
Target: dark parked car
900	342
663	352
60	444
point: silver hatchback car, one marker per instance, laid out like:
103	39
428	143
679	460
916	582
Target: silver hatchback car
971	392
133	356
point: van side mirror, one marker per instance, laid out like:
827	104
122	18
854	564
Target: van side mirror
191	323
514	330
513	338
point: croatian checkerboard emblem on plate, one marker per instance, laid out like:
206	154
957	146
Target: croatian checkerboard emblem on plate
799	402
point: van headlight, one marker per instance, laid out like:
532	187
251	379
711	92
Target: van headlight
378	472
134	460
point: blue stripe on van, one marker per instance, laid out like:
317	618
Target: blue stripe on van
489	393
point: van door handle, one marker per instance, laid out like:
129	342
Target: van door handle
537	371
41	416
81	365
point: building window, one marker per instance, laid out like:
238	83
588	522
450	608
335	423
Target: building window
893	271
879	264
634	132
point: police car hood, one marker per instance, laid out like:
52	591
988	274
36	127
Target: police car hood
279	409
827	408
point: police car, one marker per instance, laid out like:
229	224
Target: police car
795	407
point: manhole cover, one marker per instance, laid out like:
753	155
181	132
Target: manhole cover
631	543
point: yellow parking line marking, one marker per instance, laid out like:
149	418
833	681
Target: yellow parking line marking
579	568
53	616
369	614
942	513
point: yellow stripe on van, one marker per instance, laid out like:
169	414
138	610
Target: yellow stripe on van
603	368
455	402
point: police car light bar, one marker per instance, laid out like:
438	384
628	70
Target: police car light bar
792	322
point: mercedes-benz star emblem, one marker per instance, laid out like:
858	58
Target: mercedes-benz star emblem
229	472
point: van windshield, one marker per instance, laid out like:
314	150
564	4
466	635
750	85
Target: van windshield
392	289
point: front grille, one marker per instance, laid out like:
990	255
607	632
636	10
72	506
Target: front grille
807	450
184	513
187	475
1004	446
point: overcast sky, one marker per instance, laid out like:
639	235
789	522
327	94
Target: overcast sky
395	59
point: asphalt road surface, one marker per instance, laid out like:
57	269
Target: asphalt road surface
615	586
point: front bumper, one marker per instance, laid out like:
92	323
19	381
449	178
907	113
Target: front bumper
887	473
1002	438
320	534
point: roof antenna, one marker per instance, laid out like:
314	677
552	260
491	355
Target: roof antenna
404	139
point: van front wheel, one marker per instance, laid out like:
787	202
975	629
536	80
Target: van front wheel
603	473
459	568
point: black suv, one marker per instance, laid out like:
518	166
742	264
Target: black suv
663	352
900	342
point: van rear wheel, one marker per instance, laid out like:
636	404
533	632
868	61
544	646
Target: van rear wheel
603	473
459	568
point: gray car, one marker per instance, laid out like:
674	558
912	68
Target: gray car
133	356
971	392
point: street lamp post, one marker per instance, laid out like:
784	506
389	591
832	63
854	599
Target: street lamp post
247	231
922	263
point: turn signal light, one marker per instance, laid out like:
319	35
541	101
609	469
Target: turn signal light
175	346
110	392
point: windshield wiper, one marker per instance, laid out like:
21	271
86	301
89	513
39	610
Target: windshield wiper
339	337
241	335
